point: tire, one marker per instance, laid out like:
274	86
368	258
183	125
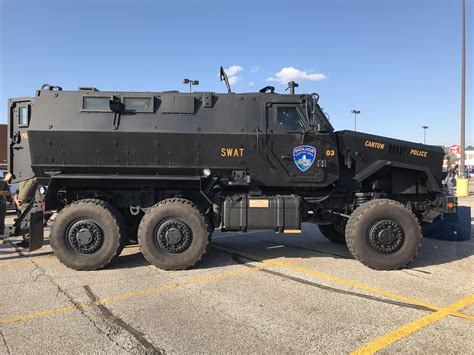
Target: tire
173	234
383	234
334	232
92	219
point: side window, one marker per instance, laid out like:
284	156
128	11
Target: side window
287	119
95	103
23	115
138	104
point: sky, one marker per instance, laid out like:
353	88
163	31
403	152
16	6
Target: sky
397	61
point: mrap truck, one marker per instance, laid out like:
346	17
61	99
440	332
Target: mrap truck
167	168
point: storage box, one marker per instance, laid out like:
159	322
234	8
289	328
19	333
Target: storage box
279	213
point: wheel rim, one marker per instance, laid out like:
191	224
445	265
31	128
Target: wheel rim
85	236
173	236
386	236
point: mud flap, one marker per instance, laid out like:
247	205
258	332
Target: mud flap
36	230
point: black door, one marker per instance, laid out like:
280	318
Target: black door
19	152
294	150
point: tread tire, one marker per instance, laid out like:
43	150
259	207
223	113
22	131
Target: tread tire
192	216
107	217
357	234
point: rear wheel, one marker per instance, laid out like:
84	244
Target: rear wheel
383	234
335	232
88	234
173	234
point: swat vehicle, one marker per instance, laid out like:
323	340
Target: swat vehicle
167	168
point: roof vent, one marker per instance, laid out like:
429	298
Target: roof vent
87	88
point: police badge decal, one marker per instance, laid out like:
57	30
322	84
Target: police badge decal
304	156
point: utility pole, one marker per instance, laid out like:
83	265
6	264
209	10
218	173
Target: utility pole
463	93
424	133
355	112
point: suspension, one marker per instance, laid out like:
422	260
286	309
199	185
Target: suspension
361	198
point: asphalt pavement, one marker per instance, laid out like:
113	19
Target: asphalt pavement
259	292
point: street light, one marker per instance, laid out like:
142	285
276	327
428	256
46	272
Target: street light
355	112
190	82
463	91
424	133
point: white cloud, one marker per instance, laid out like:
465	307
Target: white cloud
233	79
232	73
234	69
251	83
254	69
289	73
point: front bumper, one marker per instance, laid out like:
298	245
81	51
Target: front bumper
447	204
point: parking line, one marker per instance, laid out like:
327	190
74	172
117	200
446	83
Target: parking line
26	262
348	283
404	331
135	294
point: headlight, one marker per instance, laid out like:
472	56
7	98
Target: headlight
206	171
42	190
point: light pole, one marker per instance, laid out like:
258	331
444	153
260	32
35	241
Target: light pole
463	93
355	112
424	133
190	82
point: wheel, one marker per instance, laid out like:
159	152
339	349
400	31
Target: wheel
173	234
383	234
88	234
334	232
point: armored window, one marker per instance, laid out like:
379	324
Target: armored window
138	104
95	103
288	120
23	115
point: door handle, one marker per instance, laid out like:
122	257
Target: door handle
16	137
257	130
17	147
286	157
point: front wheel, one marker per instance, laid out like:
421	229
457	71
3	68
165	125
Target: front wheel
173	234
383	234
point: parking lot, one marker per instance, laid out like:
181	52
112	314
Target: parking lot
258	292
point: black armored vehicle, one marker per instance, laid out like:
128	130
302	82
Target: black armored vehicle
167	168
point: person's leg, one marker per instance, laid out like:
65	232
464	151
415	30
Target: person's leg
3	213
26	194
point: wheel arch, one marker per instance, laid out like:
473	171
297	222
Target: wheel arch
408	170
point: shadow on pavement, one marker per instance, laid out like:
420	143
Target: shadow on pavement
269	245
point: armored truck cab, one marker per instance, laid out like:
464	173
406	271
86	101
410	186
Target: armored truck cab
168	168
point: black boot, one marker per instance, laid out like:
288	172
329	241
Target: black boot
23	244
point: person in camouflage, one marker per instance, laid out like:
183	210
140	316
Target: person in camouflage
26	194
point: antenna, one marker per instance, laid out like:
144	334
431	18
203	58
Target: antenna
224	77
